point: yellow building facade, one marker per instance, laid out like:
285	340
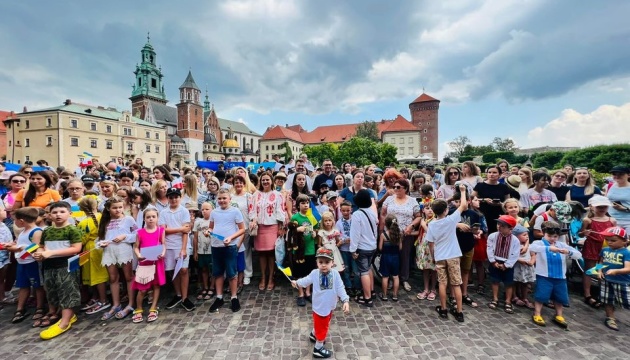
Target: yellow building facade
61	135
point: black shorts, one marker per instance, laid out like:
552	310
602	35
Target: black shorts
300	270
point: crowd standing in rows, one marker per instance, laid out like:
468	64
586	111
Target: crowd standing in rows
516	224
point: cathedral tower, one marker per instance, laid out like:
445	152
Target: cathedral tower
424	115
148	82
190	126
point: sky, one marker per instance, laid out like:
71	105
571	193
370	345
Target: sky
543	73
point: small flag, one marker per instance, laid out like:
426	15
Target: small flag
313	215
73	263
87	160
28	251
285	271
219	237
177	183
84	257
595	270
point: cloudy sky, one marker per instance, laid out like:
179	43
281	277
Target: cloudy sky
539	72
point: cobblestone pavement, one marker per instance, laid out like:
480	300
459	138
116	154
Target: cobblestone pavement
271	326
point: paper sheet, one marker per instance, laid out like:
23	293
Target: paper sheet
151	252
178	266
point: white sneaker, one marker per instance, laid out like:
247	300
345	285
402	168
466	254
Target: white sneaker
247	281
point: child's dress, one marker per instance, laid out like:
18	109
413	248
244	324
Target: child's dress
595	242
524	273
148	239
424	260
93	272
329	241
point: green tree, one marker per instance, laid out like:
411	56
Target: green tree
368	130
288	154
472	150
458	145
503	144
364	151
387	154
600	158
447	160
317	153
549	159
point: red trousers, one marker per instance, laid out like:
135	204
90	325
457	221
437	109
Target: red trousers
321	324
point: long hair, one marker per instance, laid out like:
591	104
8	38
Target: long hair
163	170
190	187
32	192
393	230
447	177
473	170
389	174
266	173
530	181
106	217
155	188
249	187
88	205
589	188
294	187
327	215
414	177
144	196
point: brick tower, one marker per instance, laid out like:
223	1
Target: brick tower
424	115
190	118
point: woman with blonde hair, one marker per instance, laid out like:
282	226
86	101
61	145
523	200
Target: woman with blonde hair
158	195
583	187
190	195
239	170
108	190
526	179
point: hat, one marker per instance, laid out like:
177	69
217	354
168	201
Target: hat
280	175
620	169
598	200
331	195
563	211
325	253
220	174
507	220
513	182
615	231
324	184
87	179
173	192
7	174
191	206
518	230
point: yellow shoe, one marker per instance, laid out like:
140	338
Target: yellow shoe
54	331
559	320
538	320
73	319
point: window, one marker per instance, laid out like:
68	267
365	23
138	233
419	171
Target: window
109	144
424	147
267	147
27	124
157	136
28	158
93	126
424	138
425	131
74	141
401	151
273	147
428	123
148	148
393	140
9	142
130	146
93	143
127	131
48	122
410	149
108	129
411	140
74	123
27	142
402	140
48	140
147	135
153	83
157	149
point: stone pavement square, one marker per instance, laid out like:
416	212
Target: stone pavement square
271	326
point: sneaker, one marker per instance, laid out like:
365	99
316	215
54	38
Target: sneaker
459	316
216	305
174	302
247	281
301	301
235	305
187	305
311	337
322	353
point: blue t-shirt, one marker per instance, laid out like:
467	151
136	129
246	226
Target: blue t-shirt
615	259
348	194
577	194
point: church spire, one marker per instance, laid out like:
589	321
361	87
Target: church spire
206	104
148	75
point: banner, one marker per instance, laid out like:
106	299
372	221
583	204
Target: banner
15	167
228	165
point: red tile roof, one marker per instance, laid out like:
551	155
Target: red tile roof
278	132
3	116
424	98
400	124
296	128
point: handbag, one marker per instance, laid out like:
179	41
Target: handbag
145	274
254	231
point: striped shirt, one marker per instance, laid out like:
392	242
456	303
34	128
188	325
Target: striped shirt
552	264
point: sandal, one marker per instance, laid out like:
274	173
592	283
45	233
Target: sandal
111	313
442	312
519	302
239	289
383	297
261	286
209	295
493	304
98	308
528	304
406	286
202	294
538	320
363	301
466	299
508	308
592	302
395	298
550	305
611	323
423	295
138	316
153	315
39	313
481	289
90	304
431	296
19	316
46	320
124	313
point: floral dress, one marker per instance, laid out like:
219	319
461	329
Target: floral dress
329	241
424	260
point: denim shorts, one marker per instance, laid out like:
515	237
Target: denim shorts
500	276
240	261
364	261
390	265
551	289
224	261
28	276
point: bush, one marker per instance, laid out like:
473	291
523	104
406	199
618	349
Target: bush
463	158
600	158
549	160
494	157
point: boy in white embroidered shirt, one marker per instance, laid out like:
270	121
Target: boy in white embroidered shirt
324	298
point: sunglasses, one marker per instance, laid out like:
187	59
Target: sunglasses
27	172
397	187
206	173
18	181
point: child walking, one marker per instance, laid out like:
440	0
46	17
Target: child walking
116	234
327	288
503	251
58	243
424	259
202	252
150	235
551	267
524	274
615	289
390	245
330	238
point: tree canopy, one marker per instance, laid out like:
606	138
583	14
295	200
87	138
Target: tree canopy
368	130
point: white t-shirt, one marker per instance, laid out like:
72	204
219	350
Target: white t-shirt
116	227
225	224
442	233
203	242
24	241
172	220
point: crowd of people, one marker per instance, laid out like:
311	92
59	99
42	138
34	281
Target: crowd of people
518	225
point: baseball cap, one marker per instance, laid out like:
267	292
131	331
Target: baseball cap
620	169
615	231
563	211
87	179
331	195
173	192
325	253
598	200
518	230
507	220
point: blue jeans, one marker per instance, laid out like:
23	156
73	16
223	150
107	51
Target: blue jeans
351	266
